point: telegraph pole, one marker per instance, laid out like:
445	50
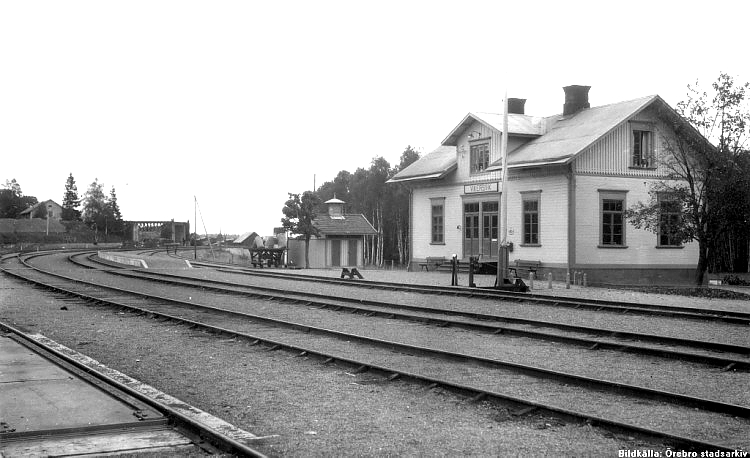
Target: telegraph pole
195	234
502	247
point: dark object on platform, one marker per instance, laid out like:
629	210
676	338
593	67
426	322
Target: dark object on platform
518	285
351	273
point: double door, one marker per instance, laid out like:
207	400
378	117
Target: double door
480	228
347	247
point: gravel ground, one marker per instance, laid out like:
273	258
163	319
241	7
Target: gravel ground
304	408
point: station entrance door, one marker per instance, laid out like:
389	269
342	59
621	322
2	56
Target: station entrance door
481	229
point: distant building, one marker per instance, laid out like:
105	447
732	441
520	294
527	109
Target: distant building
570	178
341	241
35	211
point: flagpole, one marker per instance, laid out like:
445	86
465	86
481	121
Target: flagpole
502	248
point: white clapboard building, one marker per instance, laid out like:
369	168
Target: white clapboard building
570	178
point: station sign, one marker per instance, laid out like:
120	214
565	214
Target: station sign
481	187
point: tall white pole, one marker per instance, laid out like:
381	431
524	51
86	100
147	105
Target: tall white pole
502	248
504	152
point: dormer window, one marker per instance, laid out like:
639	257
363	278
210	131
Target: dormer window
642	147
479	157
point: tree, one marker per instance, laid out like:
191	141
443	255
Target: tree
338	188
71	201
94	205
703	182
12	200
398	197
112	213
299	213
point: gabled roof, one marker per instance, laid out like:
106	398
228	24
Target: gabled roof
247	236
348	224
37	205
434	165
518	124
558	139
567	136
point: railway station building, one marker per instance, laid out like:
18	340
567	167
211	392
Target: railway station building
571	176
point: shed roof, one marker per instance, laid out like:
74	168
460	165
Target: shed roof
247	235
347	224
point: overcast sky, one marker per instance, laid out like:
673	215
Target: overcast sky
239	103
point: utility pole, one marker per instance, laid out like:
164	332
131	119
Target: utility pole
195	234
502	247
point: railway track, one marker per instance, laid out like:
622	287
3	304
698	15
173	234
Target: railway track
727	356
479	293
413	361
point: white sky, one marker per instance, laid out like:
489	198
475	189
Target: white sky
239	103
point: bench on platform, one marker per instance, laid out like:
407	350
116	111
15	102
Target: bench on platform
524	266
430	261
351	273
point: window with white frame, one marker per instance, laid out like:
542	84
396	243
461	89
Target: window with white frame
438	220
530	204
642	145
612	218
479	156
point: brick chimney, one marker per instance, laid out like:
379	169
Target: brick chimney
576	99
516	106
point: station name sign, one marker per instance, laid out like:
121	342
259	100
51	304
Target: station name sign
480	187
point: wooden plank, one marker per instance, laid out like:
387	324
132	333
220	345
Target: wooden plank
124	442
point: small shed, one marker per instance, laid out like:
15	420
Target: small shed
341	240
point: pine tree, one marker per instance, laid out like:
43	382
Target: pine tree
113	212
71	201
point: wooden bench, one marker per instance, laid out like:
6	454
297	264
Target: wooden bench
431	261
524	266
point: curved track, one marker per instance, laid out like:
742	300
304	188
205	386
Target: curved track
465	370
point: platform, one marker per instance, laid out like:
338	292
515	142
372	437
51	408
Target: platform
145	262
49	409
